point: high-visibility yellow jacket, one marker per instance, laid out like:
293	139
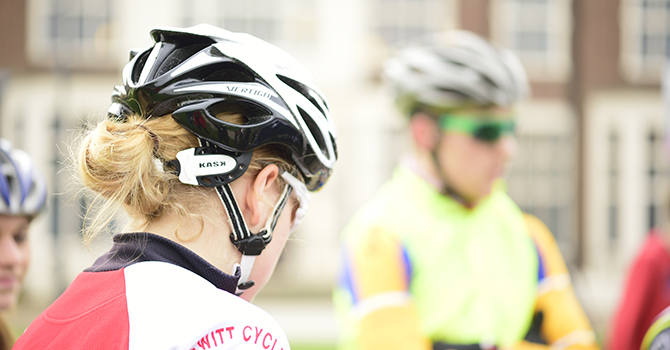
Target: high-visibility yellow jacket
419	269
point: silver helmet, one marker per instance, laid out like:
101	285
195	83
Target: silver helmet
462	70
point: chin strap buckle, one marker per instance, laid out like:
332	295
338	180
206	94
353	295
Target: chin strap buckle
252	245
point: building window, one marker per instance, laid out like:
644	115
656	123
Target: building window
400	22
645	36
270	20
538	31
659	185
541	181
613	186
73	34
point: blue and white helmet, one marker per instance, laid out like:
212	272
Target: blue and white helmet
22	186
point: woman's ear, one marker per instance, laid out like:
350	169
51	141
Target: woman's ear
261	190
424	131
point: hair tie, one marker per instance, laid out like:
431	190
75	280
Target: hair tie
153	135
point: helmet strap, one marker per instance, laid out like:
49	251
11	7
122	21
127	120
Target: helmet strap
249	244
194	167
446	189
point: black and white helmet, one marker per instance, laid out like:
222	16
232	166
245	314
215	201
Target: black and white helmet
197	72
23	189
463	69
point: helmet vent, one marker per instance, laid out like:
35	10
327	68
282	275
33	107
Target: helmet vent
303	90
456	93
137	70
251	113
315	131
332	141
231	73
491	82
415	69
177	56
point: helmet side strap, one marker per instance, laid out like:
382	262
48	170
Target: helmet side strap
249	244
446	189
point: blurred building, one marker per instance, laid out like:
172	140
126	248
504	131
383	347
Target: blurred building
591	160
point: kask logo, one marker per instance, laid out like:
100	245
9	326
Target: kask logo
213	164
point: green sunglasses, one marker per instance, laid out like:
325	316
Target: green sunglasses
483	129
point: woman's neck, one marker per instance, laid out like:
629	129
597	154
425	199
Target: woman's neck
211	242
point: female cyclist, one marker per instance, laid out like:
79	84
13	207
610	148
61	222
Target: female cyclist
22	197
211	146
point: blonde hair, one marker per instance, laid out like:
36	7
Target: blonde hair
7	338
122	163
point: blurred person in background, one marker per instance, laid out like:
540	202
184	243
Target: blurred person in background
442	258
642	318
645	295
657	336
22	197
211	147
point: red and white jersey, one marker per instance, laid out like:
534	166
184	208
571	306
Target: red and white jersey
148	292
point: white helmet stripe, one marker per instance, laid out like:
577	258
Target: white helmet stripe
149	64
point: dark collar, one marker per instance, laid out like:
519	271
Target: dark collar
131	248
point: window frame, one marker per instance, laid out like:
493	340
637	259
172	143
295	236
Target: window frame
436	18
554	66
96	52
635	68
